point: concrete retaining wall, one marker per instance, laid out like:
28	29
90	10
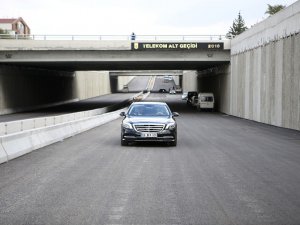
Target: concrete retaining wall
123	80
18	144
265	70
281	25
22	137
266	83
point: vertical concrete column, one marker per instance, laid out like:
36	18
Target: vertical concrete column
287	82
297	81
257	85
189	81
251	83
90	84
277	120
272	78
295	76
247	86
225	90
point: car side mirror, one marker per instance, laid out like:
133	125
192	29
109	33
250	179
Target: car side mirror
175	114
122	114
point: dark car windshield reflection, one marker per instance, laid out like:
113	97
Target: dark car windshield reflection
149	110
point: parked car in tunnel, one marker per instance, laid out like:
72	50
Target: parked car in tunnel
149	121
205	101
184	96
190	95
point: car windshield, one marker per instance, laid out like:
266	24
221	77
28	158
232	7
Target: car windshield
148	110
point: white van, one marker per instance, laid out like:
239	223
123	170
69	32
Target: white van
205	101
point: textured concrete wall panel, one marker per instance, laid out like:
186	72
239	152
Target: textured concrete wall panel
297	77
189	81
266	85
247	86
295	82
278	83
92	84
287	73
268	78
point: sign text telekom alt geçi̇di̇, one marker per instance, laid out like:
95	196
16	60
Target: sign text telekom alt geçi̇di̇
176	46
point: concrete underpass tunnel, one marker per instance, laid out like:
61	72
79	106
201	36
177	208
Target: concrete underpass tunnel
137	83
25	89
217	81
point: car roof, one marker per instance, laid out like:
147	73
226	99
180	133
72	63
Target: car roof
149	103
205	93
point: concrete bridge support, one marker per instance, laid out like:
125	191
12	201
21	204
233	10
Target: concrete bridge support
90	84
189	80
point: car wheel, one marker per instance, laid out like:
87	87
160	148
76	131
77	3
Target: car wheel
124	143
173	143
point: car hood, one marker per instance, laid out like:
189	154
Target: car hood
156	119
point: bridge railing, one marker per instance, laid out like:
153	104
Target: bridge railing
115	37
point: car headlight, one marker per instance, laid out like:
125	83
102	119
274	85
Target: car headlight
170	126
127	125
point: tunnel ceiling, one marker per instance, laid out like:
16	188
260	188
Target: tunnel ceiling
86	66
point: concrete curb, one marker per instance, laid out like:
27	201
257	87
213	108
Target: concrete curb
11	127
3	154
18	144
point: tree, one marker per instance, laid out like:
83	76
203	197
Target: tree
3	31
238	26
272	9
4	34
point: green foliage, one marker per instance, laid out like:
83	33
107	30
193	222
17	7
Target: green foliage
3	31
4	34
272	9
238	26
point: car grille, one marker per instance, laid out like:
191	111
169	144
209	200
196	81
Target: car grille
149	127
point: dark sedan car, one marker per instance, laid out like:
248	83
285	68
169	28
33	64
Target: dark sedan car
149	121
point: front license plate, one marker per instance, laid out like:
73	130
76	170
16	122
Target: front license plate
149	135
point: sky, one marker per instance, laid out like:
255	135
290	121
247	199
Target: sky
144	17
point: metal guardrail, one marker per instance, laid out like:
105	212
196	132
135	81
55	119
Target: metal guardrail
115	37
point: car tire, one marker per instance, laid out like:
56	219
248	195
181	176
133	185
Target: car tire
124	143
173	143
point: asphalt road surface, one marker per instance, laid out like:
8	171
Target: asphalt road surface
161	83
138	83
224	170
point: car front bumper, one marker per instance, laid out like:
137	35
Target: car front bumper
162	136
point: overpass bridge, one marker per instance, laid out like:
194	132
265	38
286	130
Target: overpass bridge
145	73
46	64
144	53
254	76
